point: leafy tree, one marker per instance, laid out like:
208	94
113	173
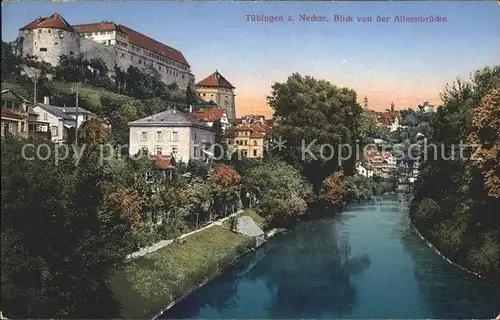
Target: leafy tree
314	113
93	133
333	189
226	185
276	187
486	132
11	64
466	228
59	241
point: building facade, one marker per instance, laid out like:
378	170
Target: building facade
50	37
211	115
19	118
60	123
218	89
249	138
171	132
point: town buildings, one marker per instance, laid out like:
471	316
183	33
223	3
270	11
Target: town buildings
50	37
19	118
426	107
210	116
218	89
249	137
171	132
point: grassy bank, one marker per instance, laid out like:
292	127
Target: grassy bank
147	285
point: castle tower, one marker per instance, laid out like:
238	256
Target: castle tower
217	89
48	38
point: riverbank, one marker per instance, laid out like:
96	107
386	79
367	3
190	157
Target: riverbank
150	284
447	257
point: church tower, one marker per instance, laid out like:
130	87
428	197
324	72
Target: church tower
216	88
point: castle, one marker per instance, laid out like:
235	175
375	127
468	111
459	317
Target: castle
117	45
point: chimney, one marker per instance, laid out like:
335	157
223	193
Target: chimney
190	109
46	100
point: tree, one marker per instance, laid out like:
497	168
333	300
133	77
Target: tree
333	189
486	132
11	64
314	113
466	228
59	241
275	187
93	133
226	185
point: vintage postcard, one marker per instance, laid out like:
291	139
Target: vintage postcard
250	160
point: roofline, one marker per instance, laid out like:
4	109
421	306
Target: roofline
16	94
218	86
176	125
48	110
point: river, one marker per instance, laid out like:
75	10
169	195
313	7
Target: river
366	262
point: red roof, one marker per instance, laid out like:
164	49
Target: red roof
256	134
136	38
55	21
373	154
243	127
385	118
215	80
96	27
159	48
11	114
163	162
208	114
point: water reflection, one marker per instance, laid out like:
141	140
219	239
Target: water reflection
305	274
448	291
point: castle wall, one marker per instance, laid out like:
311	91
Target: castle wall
49	44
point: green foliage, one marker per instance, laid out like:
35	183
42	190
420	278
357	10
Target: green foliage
452	205
279	189
59	241
309	109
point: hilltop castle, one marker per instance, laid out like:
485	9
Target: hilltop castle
50	37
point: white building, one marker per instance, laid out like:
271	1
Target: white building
49	37
59	121
211	115
171	132
363	171
83	115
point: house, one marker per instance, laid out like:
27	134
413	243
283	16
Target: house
82	116
363	170
385	118
211	115
171	132
19	118
60	123
218	89
248	138
426	107
383	164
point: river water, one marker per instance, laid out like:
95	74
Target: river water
366	262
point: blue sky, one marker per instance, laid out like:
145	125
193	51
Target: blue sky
401	62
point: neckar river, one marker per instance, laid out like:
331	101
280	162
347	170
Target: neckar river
367	262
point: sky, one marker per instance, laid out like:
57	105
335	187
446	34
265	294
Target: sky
404	63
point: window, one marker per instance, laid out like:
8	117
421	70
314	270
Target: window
49	30
45	116
54	131
204	138
39	30
195	136
71	53
246	142
159	150
9	104
175	136
255	142
22	126
195	151
174	150
159	136
144	136
10	127
43	49
254	152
